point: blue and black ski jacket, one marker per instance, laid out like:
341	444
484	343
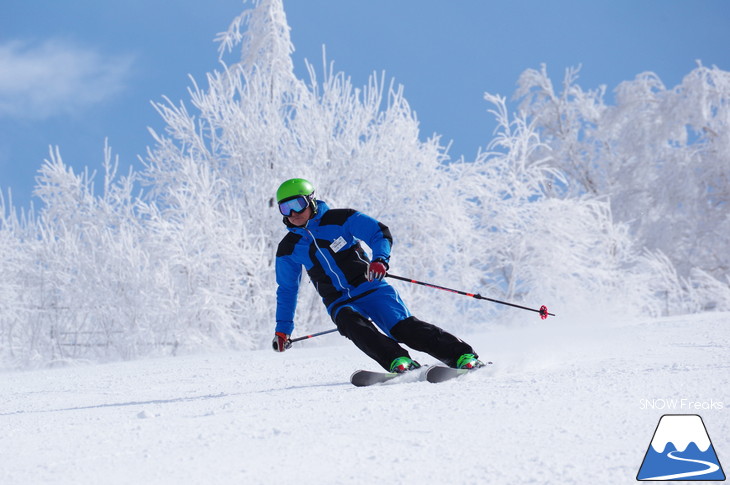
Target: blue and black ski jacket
329	248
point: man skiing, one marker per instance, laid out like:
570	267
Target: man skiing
326	242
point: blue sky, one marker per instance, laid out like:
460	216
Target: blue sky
75	72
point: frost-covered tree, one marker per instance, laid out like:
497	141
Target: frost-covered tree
17	242
88	273
538	248
659	155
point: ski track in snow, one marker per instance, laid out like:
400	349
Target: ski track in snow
560	405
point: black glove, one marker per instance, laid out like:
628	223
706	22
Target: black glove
281	342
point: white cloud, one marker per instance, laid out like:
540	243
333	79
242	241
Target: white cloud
39	81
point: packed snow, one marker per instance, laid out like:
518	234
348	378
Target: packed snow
565	402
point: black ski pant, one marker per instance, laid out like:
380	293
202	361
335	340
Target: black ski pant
414	333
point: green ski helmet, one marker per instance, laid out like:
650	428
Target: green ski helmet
294	188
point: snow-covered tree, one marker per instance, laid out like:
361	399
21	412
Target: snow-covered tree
659	155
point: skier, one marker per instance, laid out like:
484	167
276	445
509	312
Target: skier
326	242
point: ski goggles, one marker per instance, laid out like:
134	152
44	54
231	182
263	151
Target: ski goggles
297	204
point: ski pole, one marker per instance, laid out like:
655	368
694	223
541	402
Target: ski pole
543	311
312	335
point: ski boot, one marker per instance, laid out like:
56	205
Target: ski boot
403	364
468	361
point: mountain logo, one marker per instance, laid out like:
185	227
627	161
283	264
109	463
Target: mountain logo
681	450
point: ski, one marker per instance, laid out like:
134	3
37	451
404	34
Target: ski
441	373
364	378
433	374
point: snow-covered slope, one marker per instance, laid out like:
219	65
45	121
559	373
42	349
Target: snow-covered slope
565	403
